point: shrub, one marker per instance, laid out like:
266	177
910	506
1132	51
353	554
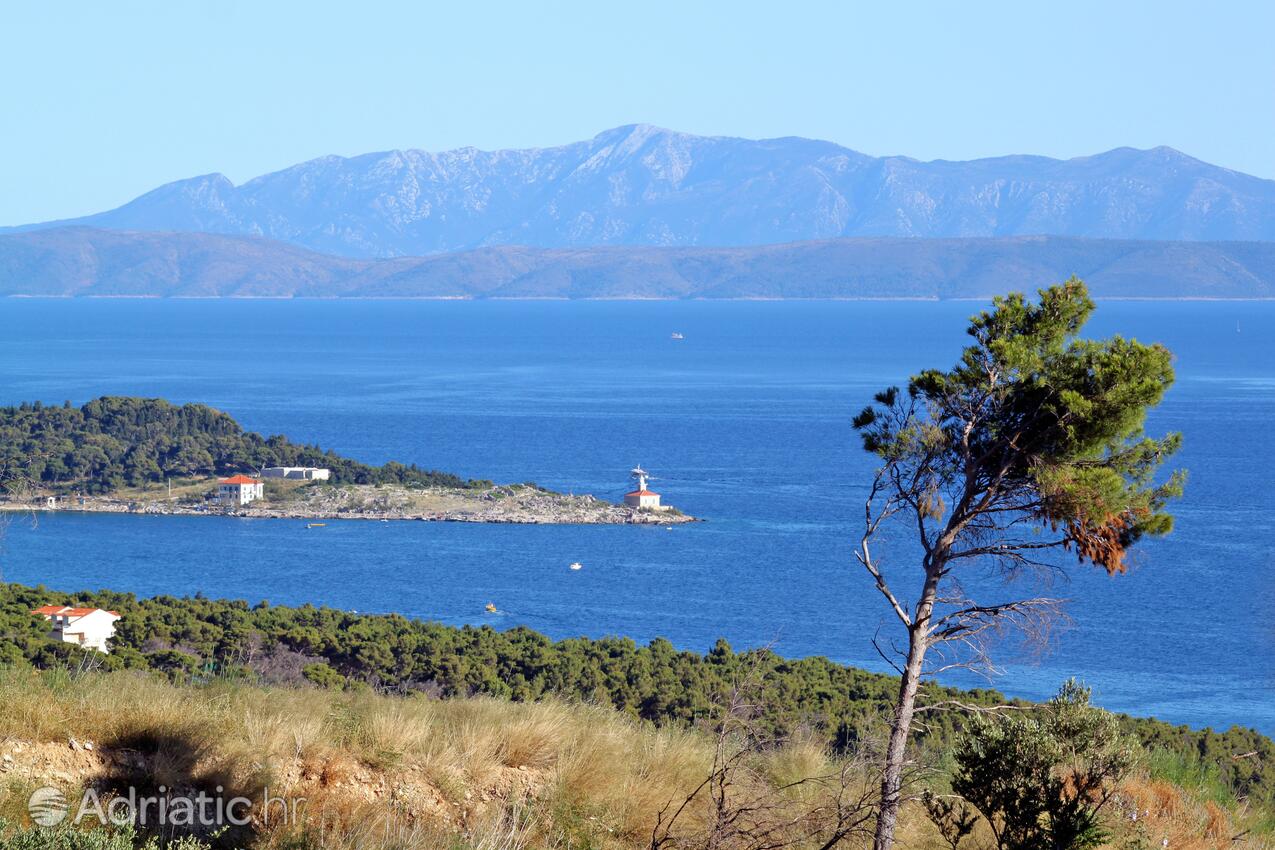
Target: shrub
1039	780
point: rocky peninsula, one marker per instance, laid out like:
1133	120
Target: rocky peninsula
119	454
505	503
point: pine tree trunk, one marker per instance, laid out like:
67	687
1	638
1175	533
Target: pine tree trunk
896	750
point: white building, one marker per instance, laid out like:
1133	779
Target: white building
239	490
642	497
91	628
304	473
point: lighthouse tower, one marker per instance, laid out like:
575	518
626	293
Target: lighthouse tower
641	497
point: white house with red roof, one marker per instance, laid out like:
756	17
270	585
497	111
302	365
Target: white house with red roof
642	497
239	490
91	628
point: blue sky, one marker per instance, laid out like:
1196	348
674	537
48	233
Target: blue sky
102	101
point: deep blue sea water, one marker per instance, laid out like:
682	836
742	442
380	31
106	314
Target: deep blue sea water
745	423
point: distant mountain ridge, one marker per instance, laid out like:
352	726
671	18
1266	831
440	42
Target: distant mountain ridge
78	261
642	185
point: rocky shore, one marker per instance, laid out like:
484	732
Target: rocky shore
516	503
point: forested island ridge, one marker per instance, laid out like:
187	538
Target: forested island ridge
121	454
82	261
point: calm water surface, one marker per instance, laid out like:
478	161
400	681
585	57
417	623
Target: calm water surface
745	423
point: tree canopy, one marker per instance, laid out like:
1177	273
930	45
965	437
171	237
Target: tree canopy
116	441
1033	423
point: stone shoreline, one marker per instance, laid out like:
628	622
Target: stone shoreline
509	504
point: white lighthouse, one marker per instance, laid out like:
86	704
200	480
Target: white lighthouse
641	497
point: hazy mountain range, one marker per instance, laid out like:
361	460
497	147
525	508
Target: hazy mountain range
645	186
84	261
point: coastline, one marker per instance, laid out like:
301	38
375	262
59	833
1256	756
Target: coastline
504	504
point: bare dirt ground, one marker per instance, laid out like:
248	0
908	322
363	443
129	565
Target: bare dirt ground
330	780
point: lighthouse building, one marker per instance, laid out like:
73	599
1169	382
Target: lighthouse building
642	497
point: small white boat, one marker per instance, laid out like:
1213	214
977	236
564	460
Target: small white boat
576	565
676	335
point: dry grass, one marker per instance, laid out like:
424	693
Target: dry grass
390	772
182	488
1156	811
400	768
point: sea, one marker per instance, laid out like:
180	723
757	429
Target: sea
744	423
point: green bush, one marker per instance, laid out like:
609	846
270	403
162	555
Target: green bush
323	676
1039	779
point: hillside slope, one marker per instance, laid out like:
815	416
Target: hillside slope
377	772
643	185
114	442
399	733
84	261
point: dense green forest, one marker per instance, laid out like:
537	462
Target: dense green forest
195	639
117	441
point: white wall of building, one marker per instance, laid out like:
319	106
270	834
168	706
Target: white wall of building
307	473
93	630
240	494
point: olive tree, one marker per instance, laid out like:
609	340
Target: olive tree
1031	444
